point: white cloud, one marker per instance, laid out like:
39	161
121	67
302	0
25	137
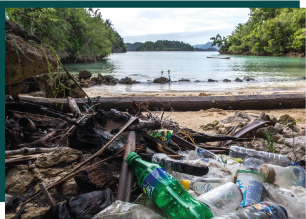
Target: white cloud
148	24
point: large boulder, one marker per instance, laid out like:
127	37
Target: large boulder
25	56
84	74
161	80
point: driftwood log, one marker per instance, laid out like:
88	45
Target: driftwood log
126	174
74	107
236	102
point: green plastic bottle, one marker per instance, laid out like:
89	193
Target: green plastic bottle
165	190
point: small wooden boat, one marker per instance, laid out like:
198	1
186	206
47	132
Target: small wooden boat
218	57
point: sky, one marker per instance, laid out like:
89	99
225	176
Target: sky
190	25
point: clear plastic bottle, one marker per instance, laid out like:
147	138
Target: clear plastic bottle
224	199
180	166
284	176
266	157
165	191
262	210
201	185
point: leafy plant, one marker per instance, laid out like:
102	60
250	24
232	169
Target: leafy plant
270	145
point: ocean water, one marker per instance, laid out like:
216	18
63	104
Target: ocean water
269	72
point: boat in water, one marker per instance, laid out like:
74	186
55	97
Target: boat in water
218	57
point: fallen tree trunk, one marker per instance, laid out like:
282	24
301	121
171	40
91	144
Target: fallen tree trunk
237	102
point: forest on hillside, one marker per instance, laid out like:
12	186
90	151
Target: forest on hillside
269	31
165	45
76	34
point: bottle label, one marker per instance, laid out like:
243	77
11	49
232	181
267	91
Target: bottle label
203	187
158	177
268	209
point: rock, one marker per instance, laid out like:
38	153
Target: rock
18	180
34	212
211	80
226	80
248	79
23	59
238	80
85	84
279	127
126	80
186	80
210	126
285	119
39	94
69	187
61	86
10	202
237	118
16	89
161	80
289	133
58	157
99	176
84	74
276	137
203	94
107	79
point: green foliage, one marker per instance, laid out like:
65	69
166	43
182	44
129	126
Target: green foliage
269	31
270	145
76	34
165	45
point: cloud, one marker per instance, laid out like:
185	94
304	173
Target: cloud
191	25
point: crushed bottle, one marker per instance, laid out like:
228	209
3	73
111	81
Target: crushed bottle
262	210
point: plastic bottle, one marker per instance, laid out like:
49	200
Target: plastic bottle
284	176
180	166
224	199
253	163
266	157
262	210
201	185
165	191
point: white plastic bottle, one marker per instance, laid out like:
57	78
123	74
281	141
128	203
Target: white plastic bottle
284	176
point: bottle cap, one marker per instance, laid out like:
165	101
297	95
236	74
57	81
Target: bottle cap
268	172
131	156
185	184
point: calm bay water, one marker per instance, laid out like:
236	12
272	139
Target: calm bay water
268	72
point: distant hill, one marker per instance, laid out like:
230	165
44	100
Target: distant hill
206	47
165	45
209	49
133	46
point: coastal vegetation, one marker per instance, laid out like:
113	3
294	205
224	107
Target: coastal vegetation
132	46
76	34
269	31
165	45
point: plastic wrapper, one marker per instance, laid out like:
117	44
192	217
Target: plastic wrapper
126	210
163	134
292	199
